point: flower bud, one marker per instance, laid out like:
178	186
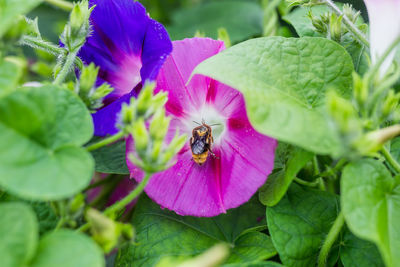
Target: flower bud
159	125
101	91
87	79
318	23
335	27
343	113
224	36
141	137
78	27
128	113
360	90
77	203
390	104
174	147
159	101
373	141
144	100
104	230
157	148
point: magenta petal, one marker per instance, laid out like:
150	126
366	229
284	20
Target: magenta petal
176	71
244	157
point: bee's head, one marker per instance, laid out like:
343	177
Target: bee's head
201	131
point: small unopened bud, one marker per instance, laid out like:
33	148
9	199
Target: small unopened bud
335	27
128	113
318	23
144	100
157	148
374	141
141	136
159	125
32	27
77	203
88	78
343	113
350	13
360	89
391	103
101	91
104	230
174	147
159	101
224	36
78	27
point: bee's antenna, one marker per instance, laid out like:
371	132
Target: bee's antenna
196	122
215	124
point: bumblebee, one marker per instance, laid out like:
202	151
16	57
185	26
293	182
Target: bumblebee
201	142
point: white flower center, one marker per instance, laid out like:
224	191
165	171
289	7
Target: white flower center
211	117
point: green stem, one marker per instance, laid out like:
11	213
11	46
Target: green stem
306	183
67	67
389	158
64	5
118	206
60	223
106	141
330	240
350	25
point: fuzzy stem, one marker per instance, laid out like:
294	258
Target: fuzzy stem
350	25
389	158
64	5
106	141
38	43
67	67
330	240
118	206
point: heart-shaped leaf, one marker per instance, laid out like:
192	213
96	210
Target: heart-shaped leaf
284	81
41	132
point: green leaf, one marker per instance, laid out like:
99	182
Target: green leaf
252	246
10	73
278	182
111	159
242	20
358	252
284	81
68	249
303	26
371	206
18	231
395	148
299	224
254	264
162	233
45	215
41	132
11	9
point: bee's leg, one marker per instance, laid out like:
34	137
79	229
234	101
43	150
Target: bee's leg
212	154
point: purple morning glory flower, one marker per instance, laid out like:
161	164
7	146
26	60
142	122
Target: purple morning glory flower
243	157
129	47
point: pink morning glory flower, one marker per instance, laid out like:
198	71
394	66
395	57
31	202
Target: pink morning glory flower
384	23
243	157
129	47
